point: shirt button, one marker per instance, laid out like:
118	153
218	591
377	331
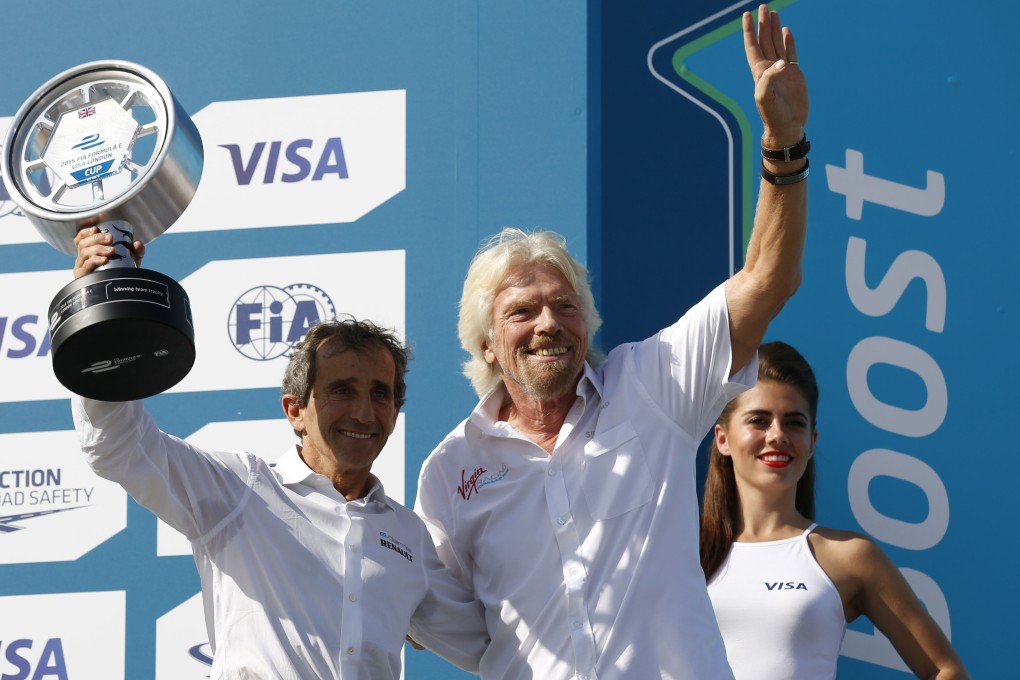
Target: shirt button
354	548
561	521
352	597
577	624
350	650
552	472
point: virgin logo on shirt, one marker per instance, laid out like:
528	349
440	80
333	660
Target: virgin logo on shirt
478	480
469	485
789	585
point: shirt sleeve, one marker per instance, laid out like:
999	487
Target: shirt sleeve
186	487
686	367
434	507
449	620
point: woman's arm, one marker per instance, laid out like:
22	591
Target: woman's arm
872	586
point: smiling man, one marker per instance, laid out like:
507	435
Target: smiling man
308	570
567	498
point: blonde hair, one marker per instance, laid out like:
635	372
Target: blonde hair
496	259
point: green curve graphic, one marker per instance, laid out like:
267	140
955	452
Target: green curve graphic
747	150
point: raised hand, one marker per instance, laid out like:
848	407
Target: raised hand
780	89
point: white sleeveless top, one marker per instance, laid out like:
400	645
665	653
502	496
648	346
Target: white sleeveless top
779	613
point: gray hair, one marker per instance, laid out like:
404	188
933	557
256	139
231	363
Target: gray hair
495	260
348	333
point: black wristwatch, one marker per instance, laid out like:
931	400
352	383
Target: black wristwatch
788	153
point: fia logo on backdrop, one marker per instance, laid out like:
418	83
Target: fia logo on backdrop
266	321
249	313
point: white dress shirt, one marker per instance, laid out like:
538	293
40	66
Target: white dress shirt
297	582
587	559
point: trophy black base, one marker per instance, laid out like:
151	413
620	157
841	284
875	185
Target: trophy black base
121	334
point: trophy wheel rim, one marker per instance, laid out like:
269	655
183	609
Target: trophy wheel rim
137	85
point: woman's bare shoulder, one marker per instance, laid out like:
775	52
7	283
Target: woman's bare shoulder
852	551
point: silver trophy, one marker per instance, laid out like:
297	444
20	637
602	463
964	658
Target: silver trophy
106	144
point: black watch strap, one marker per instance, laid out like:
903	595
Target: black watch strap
788	153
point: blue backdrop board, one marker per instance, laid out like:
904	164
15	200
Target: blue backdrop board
356	153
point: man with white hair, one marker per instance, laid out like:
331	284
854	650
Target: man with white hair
567	498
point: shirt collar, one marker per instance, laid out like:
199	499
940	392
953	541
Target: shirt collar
291	470
486	412
590	379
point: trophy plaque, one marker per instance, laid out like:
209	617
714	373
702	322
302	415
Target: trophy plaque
106	144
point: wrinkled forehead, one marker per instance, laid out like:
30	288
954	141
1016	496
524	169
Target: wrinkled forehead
371	361
332	348
532	273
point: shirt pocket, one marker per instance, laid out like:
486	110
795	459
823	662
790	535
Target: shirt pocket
616	478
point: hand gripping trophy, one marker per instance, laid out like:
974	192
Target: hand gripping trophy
106	144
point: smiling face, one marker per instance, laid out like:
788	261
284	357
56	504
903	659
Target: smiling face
769	436
349	415
539	335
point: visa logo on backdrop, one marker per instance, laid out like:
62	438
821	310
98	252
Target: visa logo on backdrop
70	636
23	336
330	161
25	362
319	159
33	664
